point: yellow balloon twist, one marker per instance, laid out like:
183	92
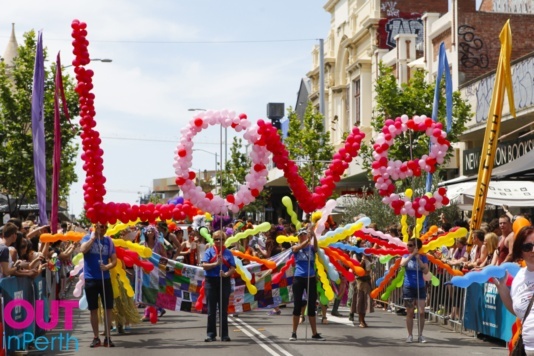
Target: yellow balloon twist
249	232
283	238
404	224
115	229
289	207
419	226
121	273
340	234
323	278
142	251
445	240
251	288
114	282
76	259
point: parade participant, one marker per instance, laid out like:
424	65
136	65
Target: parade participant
305	280
518	298
361	299
170	242
99	257
506	240
150	239
219	265
413	289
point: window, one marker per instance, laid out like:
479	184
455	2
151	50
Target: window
356	103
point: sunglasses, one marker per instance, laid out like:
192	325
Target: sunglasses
527	247
216	239
410	245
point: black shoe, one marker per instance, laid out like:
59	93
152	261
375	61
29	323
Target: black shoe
227	339
120	329
318	337
293	337
210	339
162	313
96	343
108	343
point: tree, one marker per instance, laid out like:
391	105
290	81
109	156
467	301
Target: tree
413	98
16	151
234	173
308	144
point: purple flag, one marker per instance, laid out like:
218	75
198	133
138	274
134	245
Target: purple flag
58	93
39	157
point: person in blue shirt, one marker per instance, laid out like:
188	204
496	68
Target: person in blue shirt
414	289
219	266
304	280
98	258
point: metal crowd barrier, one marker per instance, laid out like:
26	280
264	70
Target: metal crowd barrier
445	304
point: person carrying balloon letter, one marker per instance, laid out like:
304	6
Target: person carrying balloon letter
413	288
305	280
219	266
99	257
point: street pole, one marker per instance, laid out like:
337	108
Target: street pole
321	77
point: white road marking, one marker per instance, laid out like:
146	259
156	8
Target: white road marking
257	334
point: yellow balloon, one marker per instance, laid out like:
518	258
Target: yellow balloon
265	226
283	238
289	207
445	240
408	193
328	291
76	259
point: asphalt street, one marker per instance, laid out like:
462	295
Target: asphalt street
256	333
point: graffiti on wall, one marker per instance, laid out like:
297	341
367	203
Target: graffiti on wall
472	51
513	6
391	27
523	84
390	8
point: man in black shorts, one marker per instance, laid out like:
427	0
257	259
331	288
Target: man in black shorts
99	257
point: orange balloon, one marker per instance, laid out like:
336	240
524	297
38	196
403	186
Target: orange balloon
520	223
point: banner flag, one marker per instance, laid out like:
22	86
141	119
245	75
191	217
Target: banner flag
176	286
39	152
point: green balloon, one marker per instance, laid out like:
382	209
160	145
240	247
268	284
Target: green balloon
384	259
435	281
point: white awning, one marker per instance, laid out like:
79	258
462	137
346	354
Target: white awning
512	193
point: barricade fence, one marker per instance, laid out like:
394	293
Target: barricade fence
25	310
473	310
444	303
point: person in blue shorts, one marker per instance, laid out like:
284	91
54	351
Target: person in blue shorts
413	289
98	258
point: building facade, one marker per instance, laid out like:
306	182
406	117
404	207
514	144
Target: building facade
406	35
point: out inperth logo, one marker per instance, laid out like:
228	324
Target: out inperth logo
57	342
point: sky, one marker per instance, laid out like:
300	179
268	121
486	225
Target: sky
169	56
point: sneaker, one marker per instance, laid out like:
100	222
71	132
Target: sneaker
274	312
96	343
318	337
108	343
293	337
409	340
422	339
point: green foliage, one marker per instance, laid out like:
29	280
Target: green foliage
309	145
16	151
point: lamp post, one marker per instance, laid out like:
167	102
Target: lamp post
221	148
103	60
216	160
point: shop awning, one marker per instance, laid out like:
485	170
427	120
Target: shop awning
504	192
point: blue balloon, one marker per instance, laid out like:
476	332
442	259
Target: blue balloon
379	281
485	274
82	304
180	200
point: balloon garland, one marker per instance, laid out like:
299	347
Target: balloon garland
385	171
255	180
